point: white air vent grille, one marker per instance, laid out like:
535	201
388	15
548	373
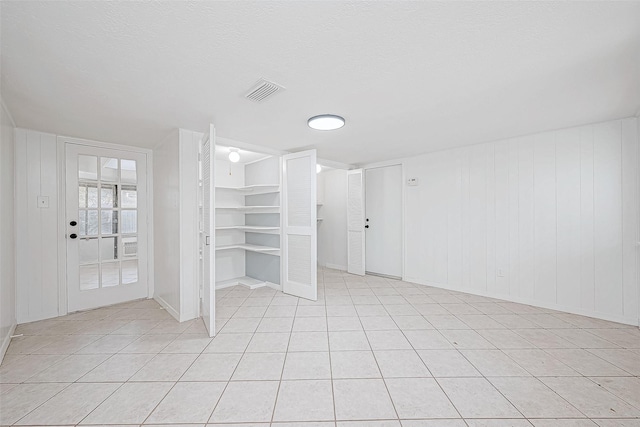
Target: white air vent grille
262	90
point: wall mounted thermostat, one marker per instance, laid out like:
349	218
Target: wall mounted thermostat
412	181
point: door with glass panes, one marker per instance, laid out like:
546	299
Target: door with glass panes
106	226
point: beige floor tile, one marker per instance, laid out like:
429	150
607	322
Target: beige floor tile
583	338
71	405
259	366
401	364
304	401
348	340
378	323
212	367
466	339
229	343
448	363
534	399
26	366
589	398
540	363
24	398
309	341
411	322
586	363
70	368
118	368
272	342
67	344
624	359
188	343
108	344
307	366
274	324
427	340
130	404
504	338
563	423
494	363
362	399
420	398
388	340
187	403
477	398
626	388
243	402
354	364
152	343
165	367
498	423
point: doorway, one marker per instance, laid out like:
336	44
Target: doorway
106	226
383	221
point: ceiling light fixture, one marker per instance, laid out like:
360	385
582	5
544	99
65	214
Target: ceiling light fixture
318	168
326	122
234	156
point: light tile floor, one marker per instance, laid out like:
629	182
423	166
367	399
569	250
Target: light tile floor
370	352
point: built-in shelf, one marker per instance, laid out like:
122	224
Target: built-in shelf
253	189
251	229
249	282
252	248
251	209
319	219
318	204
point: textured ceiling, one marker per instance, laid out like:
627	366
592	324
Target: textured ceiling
409	77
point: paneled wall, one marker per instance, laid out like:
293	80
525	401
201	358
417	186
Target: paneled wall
175	187
7	230
549	219
36	227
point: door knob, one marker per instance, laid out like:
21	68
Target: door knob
73	223
366	226
73	235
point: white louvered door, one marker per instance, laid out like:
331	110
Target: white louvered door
208	291
355	222
299	242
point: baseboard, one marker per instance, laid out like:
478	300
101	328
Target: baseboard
6	341
38	317
528	301
336	266
172	311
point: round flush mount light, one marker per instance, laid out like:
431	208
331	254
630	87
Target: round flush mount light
326	122
234	156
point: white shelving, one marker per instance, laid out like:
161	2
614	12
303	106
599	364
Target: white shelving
249	282
251	209
249	247
251	229
254	189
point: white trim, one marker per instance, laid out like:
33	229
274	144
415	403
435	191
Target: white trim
335	266
334	164
6	341
228	142
61	142
527	301
62	228
172	311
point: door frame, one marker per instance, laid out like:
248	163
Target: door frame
61	142
404	201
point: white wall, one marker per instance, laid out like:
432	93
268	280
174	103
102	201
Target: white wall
175	186
36	228
7	230
332	230
549	219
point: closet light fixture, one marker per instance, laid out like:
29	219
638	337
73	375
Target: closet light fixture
326	122
234	156
318	168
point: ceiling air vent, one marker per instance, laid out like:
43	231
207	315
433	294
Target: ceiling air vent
262	90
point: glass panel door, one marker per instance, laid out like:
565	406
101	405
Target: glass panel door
105	205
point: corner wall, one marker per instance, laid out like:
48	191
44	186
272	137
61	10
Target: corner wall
549	219
8	317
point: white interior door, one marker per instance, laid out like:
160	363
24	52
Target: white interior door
106	220
355	222
299	249
208	290
383	220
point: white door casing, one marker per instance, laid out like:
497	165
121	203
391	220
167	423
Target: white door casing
355	222
383	218
106	226
208	291
299	230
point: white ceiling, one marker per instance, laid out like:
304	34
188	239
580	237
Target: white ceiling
409	77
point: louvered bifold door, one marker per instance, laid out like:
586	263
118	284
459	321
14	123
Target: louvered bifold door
299	225
208	298
355	222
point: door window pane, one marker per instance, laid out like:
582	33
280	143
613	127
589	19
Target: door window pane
129	196
129	223
88	250
129	271
129	247
110	274
109	196
89	277
87	168
108	248
109	222
109	170
88	222
128	171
